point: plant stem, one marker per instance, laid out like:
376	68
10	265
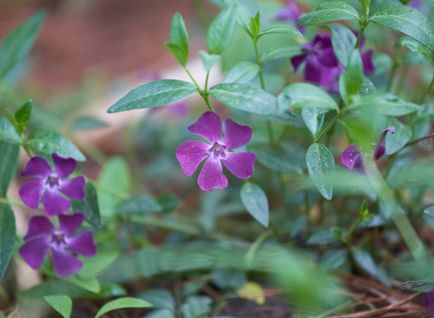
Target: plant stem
418	140
392	76
331	124
425	93
202	92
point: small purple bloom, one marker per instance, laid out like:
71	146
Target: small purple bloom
51	186
290	12
380	149
321	64
429	302
216	150
352	158
416	4
42	238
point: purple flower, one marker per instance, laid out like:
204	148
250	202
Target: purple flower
216	150
43	238
352	158
321	64
380	149
51	186
429	301
290	12
416	4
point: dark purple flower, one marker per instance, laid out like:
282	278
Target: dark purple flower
352	158
43	238
380	149
321	64
429	302
290	12
216	150
51	186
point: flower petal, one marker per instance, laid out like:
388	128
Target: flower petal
31	193
328	58
64	166
368	62
64	263
36	167
70	223
352	158
236	135
73	188
82	244
34	251
240	164
190	154
39	226
208	126
55	203
313	70
211	176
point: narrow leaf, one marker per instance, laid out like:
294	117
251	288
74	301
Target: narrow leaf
281	28
122	303
329	11
320	162
343	41
178	44
256	203
301	95
242	72
8	165
22	116
221	30
7	236
8	133
60	303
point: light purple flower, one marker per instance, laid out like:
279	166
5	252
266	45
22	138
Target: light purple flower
380	149
216	150
321	64
416	4
62	243
51	186
290	12
352	158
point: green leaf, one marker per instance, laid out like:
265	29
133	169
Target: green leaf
8	165
196	307
243	72
416	47
122	303
366	262
281	161
329	11
7	236
8	133
178	44
87	123
408	21
89	206
17	44
387	104
256	203
281	28
351	81
343	41
114	185
139	204
98	263
300	95
221	30
320	162
22	116
279	53
313	118
153	94
396	141
91	284
208	60
46	143
60	303
245	97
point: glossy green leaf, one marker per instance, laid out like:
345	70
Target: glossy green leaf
366	263
281	28
320	162
395	142
17	44
8	165
153	94
242	72
329	11
343	41
91	284
98	263
87	123
22	116
45	143
313	118
208	60
139	204
221	30
60	303
280	53
178	44
196	307
277	160
301	95
122	303
89	206
8	132
245	97
256	203
387	104
351	81
408	21
7	236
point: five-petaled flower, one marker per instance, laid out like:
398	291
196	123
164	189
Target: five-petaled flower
290	12
51	186
216	150
62	243
321	64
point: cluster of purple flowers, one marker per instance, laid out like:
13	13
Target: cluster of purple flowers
54	189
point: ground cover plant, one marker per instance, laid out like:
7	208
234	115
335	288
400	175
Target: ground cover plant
298	184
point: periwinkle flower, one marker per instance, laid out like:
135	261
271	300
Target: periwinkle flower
416	4
321	64
51	186
352	158
290	12
62	243
215	151
380	148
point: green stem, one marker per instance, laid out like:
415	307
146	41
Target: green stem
425	93
255	245
392	76
202	92
13	202
331	124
